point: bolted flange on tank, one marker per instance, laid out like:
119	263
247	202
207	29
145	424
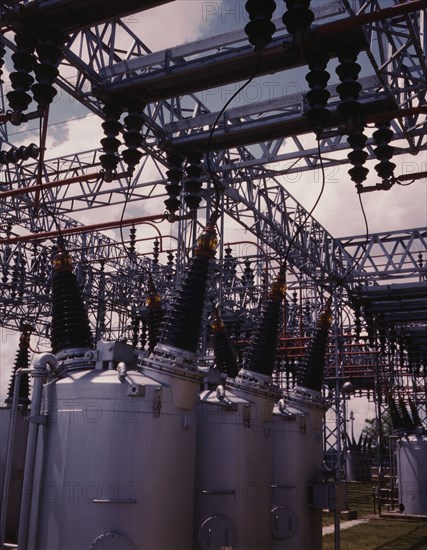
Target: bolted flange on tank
234	450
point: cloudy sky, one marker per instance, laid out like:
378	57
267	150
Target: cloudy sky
73	130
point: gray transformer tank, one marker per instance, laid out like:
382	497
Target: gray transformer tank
116	458
233	467
412	474
297	471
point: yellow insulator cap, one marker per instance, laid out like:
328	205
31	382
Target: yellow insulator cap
207	242
153	300
278	289
62	261
217	324
325	318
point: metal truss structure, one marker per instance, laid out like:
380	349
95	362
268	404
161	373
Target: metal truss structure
247	148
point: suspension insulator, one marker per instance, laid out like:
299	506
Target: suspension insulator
229	271
193	182
132	240
298	17
156	252
261	354
46	70
310	372
21	80
22	361
317	80
169	267
110	144
132	134
357	157
260	29
384	151
17	154
349	89
225	359
2	53
248	274
70	323
174	174
182	324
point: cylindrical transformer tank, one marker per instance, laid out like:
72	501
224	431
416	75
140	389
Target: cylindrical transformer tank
116	462
297	464
412	474
233	468
13	486
353	462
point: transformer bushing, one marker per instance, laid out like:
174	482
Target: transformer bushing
71	337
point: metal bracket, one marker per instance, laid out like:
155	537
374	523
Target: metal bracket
158	402
40	419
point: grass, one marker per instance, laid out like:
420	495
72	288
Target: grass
378	533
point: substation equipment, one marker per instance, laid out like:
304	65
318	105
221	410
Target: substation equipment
176	398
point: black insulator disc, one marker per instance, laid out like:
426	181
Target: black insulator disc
385	169
298	18
384	152
131	156
357	157
317	97
172	204
111	127
318	78
110	144
357	140
348	71
358	174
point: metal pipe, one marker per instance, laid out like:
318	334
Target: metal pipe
38	373
9	453
358	20
383	117
81	229
48	185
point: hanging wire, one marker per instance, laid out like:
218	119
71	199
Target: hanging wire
310	213
365	245
214	177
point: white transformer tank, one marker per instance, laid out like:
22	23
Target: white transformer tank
233	468
412	474
10	489
296	524
115	467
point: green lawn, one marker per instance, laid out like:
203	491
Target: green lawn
378	533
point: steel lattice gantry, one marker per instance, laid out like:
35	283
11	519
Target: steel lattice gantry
247	147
